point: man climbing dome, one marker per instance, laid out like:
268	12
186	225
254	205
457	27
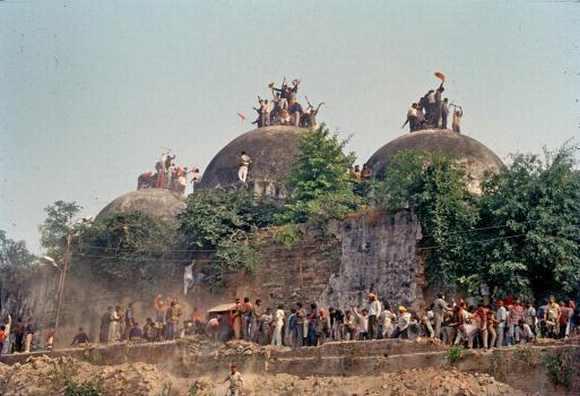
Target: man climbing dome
245	162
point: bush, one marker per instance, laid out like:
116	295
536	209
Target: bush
128	248
454	354
83	389
560	367
320	184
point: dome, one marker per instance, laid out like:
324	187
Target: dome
154	202
477	158
272	150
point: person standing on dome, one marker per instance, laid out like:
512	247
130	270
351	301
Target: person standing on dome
444	113
457	116
245	162
438	106
411	118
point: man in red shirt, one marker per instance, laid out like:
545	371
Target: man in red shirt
481	319
516	313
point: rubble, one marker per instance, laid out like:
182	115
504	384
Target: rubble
46	376
404	383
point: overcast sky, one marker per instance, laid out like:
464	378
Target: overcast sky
91	90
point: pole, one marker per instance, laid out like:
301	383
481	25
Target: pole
61	283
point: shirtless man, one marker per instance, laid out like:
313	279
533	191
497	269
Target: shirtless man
457	116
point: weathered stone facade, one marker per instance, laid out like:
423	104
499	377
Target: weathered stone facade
373	251
379	255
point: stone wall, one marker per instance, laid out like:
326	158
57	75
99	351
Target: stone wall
371	251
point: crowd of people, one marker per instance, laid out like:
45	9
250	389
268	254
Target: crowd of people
16	337
168	323
431	111
503	323
168	175
284	108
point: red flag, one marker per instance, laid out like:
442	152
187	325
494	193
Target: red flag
440	76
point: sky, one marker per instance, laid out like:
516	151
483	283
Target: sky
90	91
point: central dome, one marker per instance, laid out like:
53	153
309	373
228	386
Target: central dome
272	150
473	155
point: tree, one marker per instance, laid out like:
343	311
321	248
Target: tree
319	181
16	265
128	248
531	211
56	227
222	224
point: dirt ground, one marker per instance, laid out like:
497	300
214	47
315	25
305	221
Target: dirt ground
46	376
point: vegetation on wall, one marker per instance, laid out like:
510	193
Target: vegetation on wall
223	222
521	236
128	247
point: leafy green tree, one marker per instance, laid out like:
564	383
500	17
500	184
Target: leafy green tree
223	223
212	216
16	266
128	247
319	181
530	213
58	223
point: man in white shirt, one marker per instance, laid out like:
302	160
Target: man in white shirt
439	309
363	323
278	325
501	316
374	313
403	324
245	162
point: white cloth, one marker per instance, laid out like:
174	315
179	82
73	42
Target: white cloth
187	278
501	315
404	321
243	173
363	322
375	308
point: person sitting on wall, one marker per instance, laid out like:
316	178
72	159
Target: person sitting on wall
401	330
81	338
149	330
135	332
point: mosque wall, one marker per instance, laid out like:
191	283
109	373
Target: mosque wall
373	251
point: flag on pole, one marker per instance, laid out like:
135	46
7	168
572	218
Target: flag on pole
440	76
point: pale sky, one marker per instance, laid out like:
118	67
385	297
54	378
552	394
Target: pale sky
91	90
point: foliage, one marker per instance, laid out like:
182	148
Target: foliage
435	186
521	236
319	181
13	254
224	222
288	235
16	267
560	367
127	247
212	216
56	226
535	205
82	389
454	354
